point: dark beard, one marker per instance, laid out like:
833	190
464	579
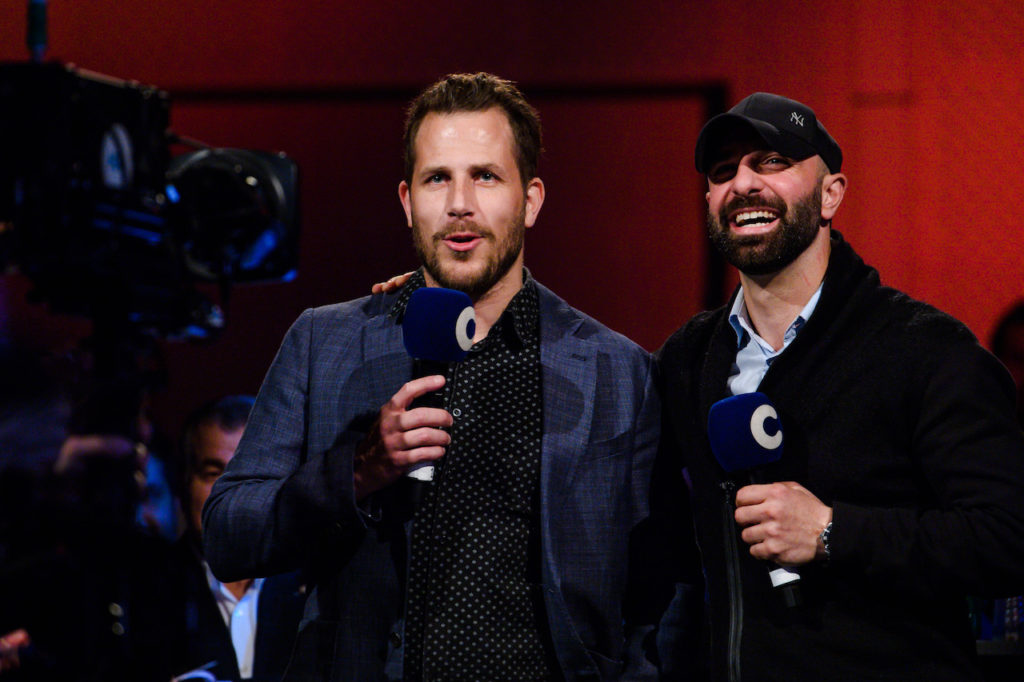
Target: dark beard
505	255
765	254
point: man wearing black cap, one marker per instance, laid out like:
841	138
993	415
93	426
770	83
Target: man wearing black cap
901	485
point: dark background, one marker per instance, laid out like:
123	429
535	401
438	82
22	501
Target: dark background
923	97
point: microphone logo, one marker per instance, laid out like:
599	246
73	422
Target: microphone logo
757	427
745	432
465	327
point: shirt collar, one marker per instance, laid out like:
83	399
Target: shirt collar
416	281
221	593
519	321
739	319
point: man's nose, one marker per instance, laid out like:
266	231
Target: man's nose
747	181
460	198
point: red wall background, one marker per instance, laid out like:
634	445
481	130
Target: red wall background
924	99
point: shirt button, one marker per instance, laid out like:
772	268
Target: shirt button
456	412
395	639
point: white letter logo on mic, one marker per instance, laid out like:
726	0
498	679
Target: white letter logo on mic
757	420
465	327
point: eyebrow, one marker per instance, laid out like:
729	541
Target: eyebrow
434	170
487	168
474	169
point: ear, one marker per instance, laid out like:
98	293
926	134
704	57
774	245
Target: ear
534	200
707	197
403	196
833	188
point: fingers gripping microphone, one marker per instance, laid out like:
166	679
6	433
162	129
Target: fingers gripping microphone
746	435
437	329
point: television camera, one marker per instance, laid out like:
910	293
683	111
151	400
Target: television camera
105	223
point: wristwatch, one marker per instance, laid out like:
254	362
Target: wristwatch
825	534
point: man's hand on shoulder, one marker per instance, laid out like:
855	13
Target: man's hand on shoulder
782	522
401	437
387	287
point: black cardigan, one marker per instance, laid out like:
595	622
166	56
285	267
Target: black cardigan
899	420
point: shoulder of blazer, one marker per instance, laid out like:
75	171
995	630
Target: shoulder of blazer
357	310
559	319
333	323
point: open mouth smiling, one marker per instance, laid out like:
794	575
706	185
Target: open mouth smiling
753	218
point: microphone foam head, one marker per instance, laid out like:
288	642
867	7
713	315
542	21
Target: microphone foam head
438	324
745	432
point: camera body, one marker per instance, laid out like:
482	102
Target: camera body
97	214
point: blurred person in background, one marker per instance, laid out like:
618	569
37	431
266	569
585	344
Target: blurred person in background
246	627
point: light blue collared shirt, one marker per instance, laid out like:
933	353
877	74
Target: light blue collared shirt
240	617
754	359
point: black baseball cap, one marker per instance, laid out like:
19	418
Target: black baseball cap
787	126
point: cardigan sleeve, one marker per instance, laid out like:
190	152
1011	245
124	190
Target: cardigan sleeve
969	451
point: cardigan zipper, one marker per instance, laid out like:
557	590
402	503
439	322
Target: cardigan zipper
732	572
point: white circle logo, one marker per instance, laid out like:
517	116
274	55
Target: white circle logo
757	420
465	327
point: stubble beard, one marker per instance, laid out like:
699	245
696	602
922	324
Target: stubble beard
501	259
764	254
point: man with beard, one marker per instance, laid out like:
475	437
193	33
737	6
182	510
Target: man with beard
513	566
900	488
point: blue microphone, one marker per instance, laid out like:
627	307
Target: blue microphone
745	432
438	325
437	328
746	435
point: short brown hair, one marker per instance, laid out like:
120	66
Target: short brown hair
478	92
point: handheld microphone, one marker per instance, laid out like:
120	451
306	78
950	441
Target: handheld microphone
437	329
438	325
746	435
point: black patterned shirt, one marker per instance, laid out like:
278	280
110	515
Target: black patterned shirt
474	607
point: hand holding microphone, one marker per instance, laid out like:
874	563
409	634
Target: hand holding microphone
401	438
408	437
781	521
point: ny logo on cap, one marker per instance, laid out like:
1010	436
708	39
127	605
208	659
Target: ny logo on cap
797	119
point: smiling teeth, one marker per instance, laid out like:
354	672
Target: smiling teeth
754	217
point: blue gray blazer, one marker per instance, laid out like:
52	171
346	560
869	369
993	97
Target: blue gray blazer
286	500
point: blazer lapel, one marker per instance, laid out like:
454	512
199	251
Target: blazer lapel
569	383
569	380
384	356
